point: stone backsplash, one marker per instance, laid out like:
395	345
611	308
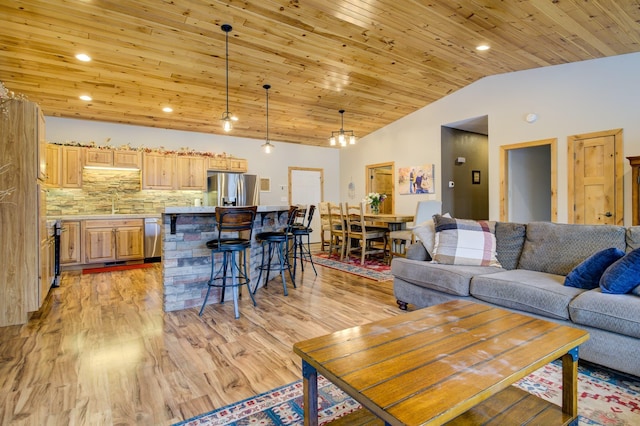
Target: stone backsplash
102	189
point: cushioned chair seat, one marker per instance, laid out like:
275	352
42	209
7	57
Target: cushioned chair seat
529	291
450	279
614	312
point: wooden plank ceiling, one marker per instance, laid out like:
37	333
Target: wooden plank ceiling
377	59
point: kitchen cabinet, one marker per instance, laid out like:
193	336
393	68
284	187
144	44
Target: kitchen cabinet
71	173
21	195
127	159
192	174
158	171
635	189
218	164
53	154
237	165
70	243
112	240
96	157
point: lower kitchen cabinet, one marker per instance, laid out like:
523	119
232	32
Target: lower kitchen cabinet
70	243
113	240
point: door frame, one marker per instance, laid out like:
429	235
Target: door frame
619	170
504	173
367	172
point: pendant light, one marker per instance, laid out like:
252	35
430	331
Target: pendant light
227	117
342	134
267	147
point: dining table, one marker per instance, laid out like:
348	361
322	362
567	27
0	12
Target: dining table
394	222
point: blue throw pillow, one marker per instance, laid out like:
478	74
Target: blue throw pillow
588	273
623	276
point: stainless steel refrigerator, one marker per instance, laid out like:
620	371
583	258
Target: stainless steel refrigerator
232	189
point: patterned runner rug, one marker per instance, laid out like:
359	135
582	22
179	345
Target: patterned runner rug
604	398
373	268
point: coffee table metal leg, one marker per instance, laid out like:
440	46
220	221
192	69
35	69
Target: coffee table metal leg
570	383
310	390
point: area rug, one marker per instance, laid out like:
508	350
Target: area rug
604	398
373	268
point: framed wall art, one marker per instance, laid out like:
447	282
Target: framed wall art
416	179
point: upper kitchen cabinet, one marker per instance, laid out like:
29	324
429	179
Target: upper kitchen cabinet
53	155
218	164
96	157
71	174
192	174
237	165
20	130
158	170
127	159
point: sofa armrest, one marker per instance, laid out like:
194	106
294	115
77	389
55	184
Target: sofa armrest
416	251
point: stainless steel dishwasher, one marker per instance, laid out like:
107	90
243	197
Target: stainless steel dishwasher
152	240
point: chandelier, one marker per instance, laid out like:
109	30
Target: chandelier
227	117
342	134
267	147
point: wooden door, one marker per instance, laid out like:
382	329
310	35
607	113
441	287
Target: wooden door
595	178
191	173
70	243
100	246
71	167
380	179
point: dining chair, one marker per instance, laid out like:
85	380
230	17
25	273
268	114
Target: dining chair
400	240
325	225
366	234
338	226
234	226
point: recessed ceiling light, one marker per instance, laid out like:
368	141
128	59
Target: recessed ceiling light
83	57
483	47
167	109
85	97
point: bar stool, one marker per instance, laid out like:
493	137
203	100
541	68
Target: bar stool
277	241
299	248
231	220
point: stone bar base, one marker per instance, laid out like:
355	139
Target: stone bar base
186	261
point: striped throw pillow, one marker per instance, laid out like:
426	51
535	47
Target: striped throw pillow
464	242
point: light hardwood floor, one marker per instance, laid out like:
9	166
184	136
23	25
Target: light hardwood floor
102	352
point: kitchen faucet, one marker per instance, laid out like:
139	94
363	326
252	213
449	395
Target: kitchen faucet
114	198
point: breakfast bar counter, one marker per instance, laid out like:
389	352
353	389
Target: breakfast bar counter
186	260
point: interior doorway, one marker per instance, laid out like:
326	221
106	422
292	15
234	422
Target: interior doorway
380	178
306	187
528	181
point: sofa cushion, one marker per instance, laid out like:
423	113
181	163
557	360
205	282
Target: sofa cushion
619	313
587	274
557	248
464	242
425	232
450	279
529	291
509	241
623	276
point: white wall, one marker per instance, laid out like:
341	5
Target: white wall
569	99
274	165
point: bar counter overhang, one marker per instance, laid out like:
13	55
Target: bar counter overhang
186	260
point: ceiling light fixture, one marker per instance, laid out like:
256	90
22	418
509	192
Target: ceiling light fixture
267	147
227	117
83	57
85	97
167	109
342	134
483	47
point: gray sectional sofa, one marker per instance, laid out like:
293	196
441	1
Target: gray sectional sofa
535	258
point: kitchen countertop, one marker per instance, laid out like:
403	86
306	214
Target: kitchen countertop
105	216
212	209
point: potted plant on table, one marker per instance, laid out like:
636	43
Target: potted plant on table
374	200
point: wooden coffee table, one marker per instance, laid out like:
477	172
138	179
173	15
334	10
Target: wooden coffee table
453	362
